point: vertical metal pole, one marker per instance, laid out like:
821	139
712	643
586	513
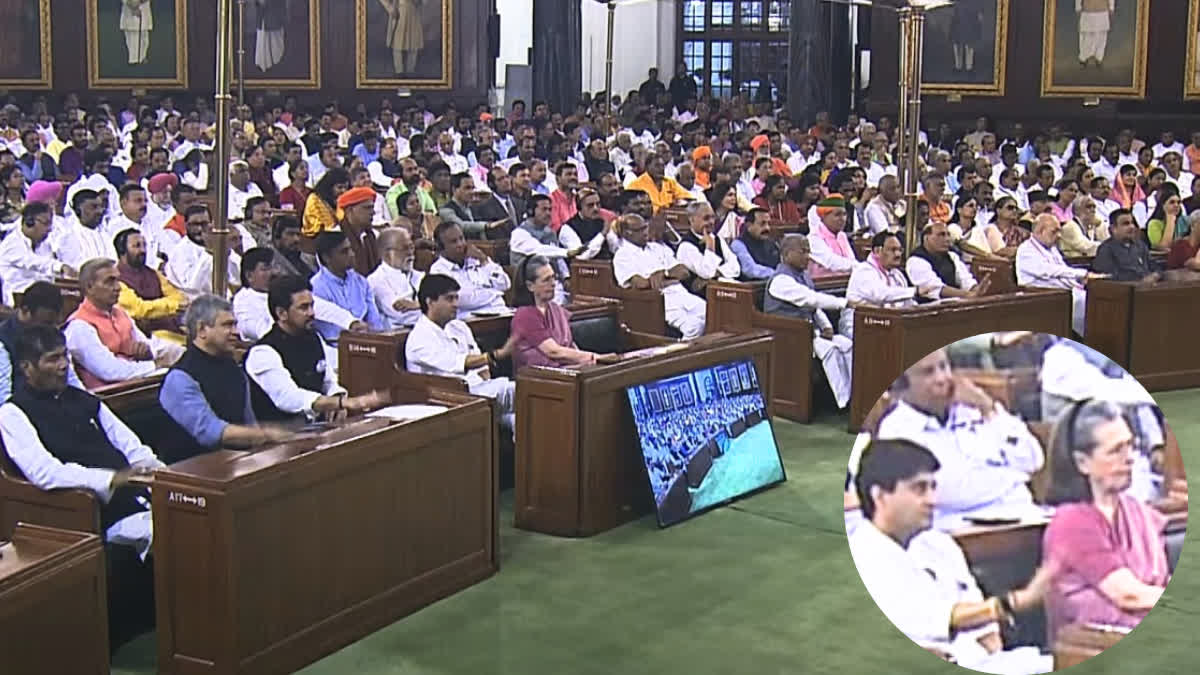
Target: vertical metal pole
241	62
902	122
916	39
220	231
608	64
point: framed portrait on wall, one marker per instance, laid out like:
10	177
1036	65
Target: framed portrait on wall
25	34
966	48
1099	50
404	43
281	41
137	43
1191	71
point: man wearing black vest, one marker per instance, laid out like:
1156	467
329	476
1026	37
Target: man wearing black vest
40	304
206	393
290	374
790	292
706	256
934	265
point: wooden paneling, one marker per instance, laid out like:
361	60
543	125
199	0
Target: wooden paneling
1162	107
473	69
1137	325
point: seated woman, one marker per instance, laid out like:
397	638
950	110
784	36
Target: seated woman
1002	236
541	328
1109	545
1167	223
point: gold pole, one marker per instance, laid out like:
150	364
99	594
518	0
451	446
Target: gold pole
220	231
241	62
608	66
912	31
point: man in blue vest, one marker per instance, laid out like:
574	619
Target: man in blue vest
790	292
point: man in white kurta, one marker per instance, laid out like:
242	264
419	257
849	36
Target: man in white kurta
84	239
535	237
482	283
987	455
919	577
640	263
26	255
132	216
1094	18
791	287
1040	264
879	281
136	22
395	281
440	344
189	264
705	255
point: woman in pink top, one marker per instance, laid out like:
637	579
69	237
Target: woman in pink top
541	327
1109	545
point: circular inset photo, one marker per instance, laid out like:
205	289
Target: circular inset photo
1015	503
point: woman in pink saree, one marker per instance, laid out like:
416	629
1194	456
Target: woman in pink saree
1110	545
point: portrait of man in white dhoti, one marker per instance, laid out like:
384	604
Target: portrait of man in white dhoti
137	21
1095	47
404	42
269	43
1094	22
405	35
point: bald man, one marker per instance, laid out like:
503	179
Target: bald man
1040	264
395	282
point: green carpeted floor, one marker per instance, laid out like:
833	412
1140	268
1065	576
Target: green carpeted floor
764	586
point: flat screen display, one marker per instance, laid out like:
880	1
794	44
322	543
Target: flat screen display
705	438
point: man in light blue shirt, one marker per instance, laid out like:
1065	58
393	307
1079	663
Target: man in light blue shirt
368	150
757	254
339	283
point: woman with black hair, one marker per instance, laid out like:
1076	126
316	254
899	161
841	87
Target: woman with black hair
320	210
541	327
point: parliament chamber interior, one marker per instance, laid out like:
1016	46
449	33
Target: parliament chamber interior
497	336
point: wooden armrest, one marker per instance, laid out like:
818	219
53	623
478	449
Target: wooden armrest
22	501
632	339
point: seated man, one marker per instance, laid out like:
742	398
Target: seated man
536	237
250	302
288	369
832	253
986	454
790	292
395	281
145	293
459	211
643	264
105	344
289	259
440	344
757	253
189	262
41	304
933	264
919	577
879	281
1040	264
706	256
61	436
207	393
340	284
83	237
1124	256
482	282
26	255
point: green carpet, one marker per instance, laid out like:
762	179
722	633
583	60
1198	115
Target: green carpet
780	594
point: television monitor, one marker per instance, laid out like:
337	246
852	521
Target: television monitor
706	439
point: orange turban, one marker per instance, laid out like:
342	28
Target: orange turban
355	196
829	204
701	152
759	141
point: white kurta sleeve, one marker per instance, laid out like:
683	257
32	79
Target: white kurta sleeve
425	354
866	285
265	367
90	353
824	256
43	469
523	243
921	273
122	437
788	290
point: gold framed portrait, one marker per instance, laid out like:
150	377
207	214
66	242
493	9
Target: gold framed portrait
281	39
404	43
25	33
1191	69
137	43
966	48
1095	52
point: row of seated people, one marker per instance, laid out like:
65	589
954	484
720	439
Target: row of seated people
672	437
946	454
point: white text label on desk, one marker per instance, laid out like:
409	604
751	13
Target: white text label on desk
727	295
361	349
872	321
194	500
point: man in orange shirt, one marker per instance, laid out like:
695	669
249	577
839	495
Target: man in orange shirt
663	191
939	209
702	162
1192	154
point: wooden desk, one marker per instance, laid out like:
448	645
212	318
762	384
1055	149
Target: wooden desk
1003	273
579	469
888	341
1076	643
53	612
268	561
641	310
1140	326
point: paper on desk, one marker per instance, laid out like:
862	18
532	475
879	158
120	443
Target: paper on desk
404	413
